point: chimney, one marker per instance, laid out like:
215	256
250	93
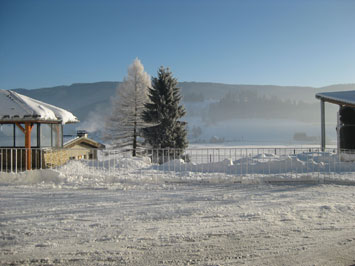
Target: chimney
82	133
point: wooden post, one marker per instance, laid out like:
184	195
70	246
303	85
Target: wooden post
28	129
57	127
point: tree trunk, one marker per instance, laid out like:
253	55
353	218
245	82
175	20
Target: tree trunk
134	154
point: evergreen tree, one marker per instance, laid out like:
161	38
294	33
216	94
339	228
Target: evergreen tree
123	127
164	112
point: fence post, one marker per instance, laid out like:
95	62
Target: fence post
247	169
16	161
11	160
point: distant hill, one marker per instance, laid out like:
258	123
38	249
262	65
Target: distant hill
202	99
75	97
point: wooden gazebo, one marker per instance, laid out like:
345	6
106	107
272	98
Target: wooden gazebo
27	124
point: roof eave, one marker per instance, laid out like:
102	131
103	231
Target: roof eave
12	120
72	122
334	101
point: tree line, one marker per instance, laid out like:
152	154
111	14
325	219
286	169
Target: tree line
249	104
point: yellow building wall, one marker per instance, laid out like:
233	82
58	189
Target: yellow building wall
54	157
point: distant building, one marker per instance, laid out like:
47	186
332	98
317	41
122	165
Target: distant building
81	147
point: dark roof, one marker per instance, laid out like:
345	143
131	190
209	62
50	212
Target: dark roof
339	97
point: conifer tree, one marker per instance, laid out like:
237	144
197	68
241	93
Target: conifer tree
164	112
123	127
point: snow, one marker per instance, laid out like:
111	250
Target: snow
128	211
69	139
260	131
15	106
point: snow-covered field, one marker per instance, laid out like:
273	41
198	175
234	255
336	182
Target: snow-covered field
80	216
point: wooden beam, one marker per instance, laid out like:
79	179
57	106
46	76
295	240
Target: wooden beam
28	129
20	127
57	127
336	102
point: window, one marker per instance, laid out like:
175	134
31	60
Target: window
46	135
56	135
43	135
6	135
20	136
51	135
34	136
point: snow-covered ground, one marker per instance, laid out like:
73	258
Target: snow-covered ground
77	215
261	131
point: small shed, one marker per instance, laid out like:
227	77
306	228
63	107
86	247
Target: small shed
28	125
345	118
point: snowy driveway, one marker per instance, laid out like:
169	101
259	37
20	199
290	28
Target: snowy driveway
179	224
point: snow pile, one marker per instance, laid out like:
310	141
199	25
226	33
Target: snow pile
45	176
179	165
15	105
259	164
134	172
130	163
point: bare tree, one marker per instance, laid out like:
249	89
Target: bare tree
123	127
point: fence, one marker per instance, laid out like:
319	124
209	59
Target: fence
15	159
286	162
257	162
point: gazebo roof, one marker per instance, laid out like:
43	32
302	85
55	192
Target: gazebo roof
338	97
15	107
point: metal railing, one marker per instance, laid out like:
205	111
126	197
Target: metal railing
15	159
241	162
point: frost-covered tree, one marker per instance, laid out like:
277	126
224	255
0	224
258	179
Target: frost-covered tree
164	111
123	127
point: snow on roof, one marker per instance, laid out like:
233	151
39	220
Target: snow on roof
338	97
67	140
17	107
71	141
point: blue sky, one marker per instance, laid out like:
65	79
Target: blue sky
48	43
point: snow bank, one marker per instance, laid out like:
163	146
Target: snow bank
44	176
131	162
126	173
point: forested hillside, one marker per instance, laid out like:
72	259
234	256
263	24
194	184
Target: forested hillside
206	103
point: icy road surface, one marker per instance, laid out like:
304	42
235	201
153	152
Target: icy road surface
178	224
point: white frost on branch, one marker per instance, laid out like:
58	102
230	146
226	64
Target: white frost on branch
123	127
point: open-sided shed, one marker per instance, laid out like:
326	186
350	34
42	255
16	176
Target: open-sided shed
30	124
346	117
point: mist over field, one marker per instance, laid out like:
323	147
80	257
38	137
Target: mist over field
215	112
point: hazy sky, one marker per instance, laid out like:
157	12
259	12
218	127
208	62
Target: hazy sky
47	43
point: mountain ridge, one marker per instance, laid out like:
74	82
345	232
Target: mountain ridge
89	99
